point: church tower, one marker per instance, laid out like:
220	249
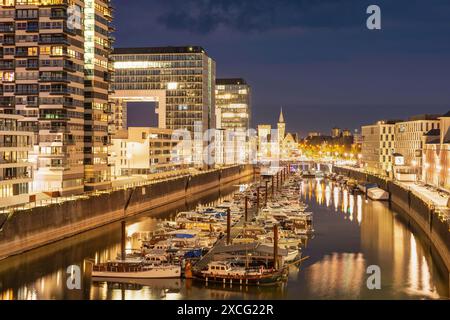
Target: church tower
281	128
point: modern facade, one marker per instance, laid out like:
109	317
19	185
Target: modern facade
98	70
233	104
55	74
181	79
378	147
16	141
145	151
409	141
436	155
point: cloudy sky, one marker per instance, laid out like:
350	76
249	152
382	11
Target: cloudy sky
314	58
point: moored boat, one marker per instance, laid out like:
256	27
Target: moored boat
227	272
135	269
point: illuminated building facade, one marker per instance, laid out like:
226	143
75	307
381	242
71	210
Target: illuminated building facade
277	144
409	141
144	151
378	147
233	104
436	155
264	141
16	141
98	70
184	76
54	72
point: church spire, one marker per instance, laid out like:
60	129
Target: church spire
281	120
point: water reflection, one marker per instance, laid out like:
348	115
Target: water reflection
351	234
372	235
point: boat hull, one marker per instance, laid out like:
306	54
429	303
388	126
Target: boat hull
271	279
156	273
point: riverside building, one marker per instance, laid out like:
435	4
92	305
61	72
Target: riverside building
409	144
180	79
16	141
55	71
233	104
436	155
146	151
378	147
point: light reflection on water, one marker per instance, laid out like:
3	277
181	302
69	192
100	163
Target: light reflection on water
351	234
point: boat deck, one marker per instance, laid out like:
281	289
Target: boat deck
235	231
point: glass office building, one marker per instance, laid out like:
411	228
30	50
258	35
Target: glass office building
233	104
184	75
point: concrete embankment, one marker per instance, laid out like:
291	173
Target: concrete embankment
416	211
28	229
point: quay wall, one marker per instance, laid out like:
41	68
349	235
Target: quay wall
28	229
416	211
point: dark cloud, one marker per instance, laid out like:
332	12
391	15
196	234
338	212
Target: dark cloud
203	16
314	57
258	15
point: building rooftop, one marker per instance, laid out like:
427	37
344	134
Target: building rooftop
424	117
230	81
159	50
447	114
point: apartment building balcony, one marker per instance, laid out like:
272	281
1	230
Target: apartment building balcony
5	29
32	29
53	40
7	65
15	179
53	129
69	66
61	79
51	116
17	163
8	41
7	102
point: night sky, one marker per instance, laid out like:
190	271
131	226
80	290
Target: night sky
314	58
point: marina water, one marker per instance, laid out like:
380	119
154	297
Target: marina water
351	234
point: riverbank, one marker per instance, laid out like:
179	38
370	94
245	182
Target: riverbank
28	229
419	212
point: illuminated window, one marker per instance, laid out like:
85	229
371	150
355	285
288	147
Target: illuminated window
172	86
33	51
57	51
45	50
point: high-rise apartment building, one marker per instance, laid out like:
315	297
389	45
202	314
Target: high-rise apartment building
180	79
233	104
55	73
98	69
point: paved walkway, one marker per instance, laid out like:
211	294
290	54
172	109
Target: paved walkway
422	192
425	194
